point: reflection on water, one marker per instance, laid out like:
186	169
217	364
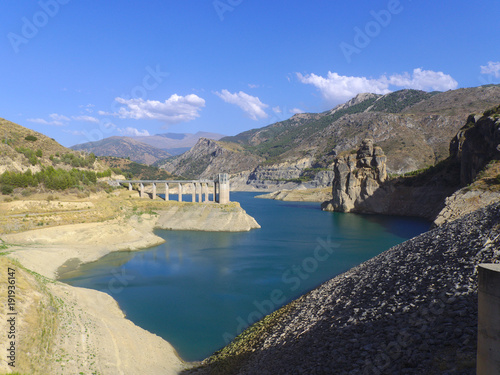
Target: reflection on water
199	289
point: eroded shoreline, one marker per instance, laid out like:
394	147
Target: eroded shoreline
90	330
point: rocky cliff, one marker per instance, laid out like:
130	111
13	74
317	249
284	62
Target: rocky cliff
477	143
357	177
209	157
359	186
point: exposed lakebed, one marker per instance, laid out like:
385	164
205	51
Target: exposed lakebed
199	289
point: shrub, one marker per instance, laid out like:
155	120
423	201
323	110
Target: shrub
30	138
7	189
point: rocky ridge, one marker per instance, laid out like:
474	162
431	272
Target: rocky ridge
124	147
302	149
410	310
209	157
359	186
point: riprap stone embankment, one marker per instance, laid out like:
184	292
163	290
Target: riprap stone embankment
410	310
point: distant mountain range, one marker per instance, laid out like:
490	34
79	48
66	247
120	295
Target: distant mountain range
413	127
145	149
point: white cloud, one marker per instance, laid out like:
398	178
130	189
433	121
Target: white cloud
424	80
88	108
56	120
492	68
252	105
296	110
75	132
56	117
85	118
253	86
174	110
277	109
337	89
133	132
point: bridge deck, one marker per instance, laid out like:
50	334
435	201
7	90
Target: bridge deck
200	188
163	181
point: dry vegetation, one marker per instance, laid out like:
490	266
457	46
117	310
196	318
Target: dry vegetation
44	210
488	179
37	318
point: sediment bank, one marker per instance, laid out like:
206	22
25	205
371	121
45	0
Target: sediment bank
85	329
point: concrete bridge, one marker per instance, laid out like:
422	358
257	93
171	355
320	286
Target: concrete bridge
200	189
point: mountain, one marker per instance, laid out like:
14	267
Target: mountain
176	143
145	149
413	128
32	162
124	147
209	157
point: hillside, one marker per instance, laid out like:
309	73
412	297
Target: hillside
145	149
361	183
209	157
32	164
176	143
136	170
413	127
124	147
16	140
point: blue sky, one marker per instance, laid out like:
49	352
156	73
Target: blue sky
80	71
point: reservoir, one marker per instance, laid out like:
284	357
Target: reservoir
198	290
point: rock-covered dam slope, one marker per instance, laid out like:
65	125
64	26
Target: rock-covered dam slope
410	310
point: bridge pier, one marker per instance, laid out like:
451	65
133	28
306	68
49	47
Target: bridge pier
200	189
141	194
222	187
204	191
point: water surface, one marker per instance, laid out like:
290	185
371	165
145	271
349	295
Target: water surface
200	289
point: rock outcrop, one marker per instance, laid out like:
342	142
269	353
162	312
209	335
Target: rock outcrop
209	157
410	310
476	144
357	177
464	202
360	183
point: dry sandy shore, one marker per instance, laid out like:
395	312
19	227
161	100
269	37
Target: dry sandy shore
85	331
300	195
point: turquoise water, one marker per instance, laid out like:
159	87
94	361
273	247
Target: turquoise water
198	290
